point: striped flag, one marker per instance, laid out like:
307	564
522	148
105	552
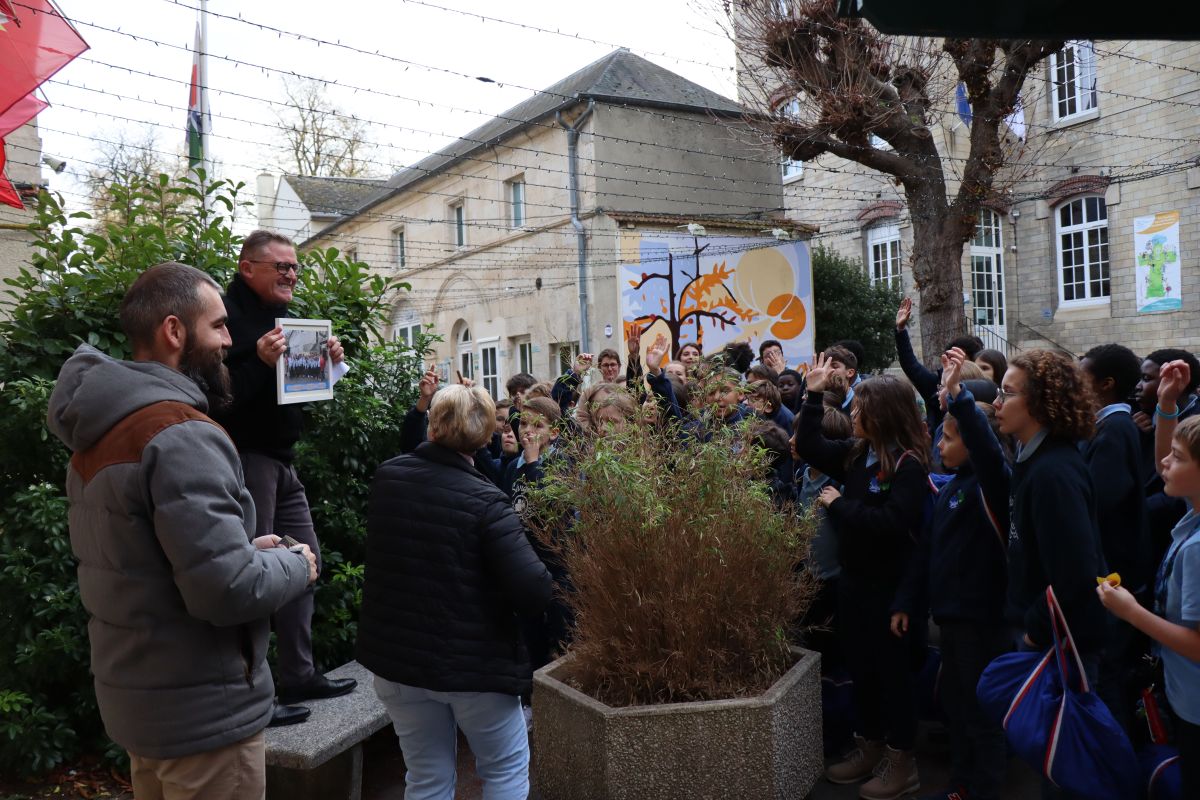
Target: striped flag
198	122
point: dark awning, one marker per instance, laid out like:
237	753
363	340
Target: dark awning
1028	19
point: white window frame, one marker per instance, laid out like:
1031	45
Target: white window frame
558	364
406	332
525	356
398	247
884	258
458	223
1088	229
1072	69
515	192
792	169
988	243
489	366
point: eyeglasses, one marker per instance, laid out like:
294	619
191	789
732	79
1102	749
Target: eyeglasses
1003	396
282	267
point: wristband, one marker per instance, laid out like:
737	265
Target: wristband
1159	412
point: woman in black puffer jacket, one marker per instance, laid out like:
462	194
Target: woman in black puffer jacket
448	571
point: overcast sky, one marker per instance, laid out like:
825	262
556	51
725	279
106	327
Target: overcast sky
127	84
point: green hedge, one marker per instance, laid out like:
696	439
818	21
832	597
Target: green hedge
71	295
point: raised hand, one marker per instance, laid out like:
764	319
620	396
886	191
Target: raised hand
583	362
656	353
1174	376
427	388
635	342
903	314
952	363
775	360
818	375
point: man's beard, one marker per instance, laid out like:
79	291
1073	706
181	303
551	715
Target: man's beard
209	372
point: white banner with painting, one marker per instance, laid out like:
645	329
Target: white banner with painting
1156	249
714	290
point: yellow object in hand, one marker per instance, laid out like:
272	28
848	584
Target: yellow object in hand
1112	579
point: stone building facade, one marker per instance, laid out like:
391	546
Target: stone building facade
484	232
1110	136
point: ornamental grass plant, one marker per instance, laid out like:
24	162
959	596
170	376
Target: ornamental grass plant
686	579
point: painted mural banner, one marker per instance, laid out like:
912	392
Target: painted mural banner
1156	248
714	290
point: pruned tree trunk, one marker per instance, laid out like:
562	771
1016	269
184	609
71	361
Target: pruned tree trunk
837	86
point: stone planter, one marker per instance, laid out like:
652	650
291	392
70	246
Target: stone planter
756	748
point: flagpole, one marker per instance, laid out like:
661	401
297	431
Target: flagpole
205	118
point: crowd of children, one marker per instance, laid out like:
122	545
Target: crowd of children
954	495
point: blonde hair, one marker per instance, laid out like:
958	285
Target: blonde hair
1188	435
542	389
599	396
970	371
462	418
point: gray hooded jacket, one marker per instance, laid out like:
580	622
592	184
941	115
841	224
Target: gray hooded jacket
177	596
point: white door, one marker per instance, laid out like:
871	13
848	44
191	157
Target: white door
987	275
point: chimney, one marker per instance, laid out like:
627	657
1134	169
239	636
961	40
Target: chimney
265	204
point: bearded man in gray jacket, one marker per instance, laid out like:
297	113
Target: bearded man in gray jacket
177	589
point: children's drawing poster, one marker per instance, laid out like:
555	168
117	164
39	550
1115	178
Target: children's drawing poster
714	290
1156	247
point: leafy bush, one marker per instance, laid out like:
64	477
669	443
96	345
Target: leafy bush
70	296
684	572
848	306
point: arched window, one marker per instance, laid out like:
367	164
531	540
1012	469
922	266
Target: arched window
1082	246
465	352
883	254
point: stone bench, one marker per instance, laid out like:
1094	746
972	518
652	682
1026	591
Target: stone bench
322	757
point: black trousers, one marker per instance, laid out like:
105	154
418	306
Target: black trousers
978	749
883	666
281	508
1187	738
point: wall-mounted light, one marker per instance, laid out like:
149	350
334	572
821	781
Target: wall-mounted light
608	331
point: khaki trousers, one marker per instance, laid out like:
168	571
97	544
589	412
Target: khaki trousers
235	772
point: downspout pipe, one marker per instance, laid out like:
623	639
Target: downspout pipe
580	233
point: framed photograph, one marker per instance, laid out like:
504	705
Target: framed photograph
304	373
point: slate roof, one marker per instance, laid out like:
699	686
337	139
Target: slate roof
619	78
333	197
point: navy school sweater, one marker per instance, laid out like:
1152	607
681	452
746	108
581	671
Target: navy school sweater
1053	540
959	571
877	518
1113	457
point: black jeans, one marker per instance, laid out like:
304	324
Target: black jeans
977	745
882	666
281	508
1187	738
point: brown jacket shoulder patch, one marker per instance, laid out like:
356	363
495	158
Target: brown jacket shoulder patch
124	442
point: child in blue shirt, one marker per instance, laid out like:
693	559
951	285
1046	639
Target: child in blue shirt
1175	622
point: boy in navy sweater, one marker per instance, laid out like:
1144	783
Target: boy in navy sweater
1113	457
959	573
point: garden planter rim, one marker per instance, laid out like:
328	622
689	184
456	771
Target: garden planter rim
805	660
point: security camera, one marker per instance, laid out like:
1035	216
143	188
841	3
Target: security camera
56	164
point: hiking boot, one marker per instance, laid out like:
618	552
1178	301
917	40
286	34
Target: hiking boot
858	763
895	776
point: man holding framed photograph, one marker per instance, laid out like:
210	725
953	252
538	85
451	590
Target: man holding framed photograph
266	433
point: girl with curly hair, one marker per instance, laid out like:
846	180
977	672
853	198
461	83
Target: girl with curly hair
1046	402
884	470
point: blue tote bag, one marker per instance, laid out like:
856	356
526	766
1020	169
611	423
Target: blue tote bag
1055	722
